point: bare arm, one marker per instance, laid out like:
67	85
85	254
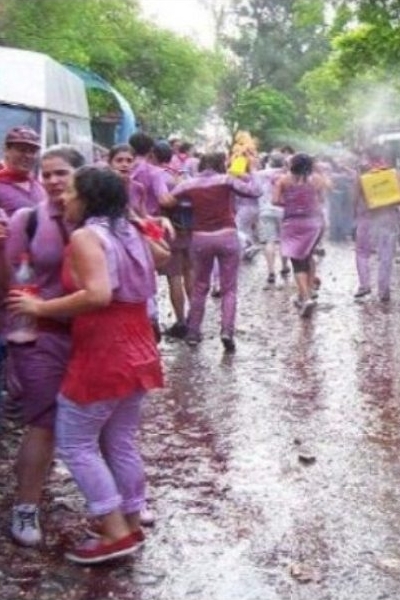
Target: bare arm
277	194
167	200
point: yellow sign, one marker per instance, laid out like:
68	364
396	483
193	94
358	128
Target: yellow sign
381	188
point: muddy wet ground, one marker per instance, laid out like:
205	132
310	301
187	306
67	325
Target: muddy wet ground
274	473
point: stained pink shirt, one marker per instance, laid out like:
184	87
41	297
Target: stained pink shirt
13	196
137	197
46	247
152	178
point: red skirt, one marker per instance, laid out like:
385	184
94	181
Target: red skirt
114	354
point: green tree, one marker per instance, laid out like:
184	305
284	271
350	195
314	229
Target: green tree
265	112
169	81
278	41
354	93
273	43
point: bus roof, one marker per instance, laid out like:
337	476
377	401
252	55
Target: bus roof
35	80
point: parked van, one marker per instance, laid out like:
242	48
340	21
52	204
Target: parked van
37	91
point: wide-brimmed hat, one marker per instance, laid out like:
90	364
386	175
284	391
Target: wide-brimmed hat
23	135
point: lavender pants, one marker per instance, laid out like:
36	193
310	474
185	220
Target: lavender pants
376	231
96	442
225	248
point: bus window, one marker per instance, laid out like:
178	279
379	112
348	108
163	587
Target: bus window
64	133
51	132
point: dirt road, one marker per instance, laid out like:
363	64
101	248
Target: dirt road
274	473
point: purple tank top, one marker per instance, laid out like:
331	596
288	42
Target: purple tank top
301	200
129	261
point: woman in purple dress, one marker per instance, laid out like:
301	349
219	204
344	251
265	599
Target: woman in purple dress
300	192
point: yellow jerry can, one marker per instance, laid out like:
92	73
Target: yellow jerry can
238	166
381	188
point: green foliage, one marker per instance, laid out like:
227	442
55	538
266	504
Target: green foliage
264	111
169	81
85	33
287	65
276	42
353	94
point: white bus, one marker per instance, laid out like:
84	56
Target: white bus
37	91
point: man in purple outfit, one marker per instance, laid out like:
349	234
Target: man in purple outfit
150	176
18	186
18	189
375	229
178	270
157	195
214	236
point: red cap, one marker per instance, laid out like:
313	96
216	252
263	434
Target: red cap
23	135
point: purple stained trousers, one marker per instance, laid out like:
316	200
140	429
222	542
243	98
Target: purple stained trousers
224	247
378	232
97	443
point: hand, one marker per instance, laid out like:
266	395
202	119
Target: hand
167	227
22	303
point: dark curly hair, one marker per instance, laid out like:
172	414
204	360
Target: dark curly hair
214	161
162	151
301	164
141	143
102	192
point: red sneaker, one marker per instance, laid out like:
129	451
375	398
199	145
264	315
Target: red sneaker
95	527
95	551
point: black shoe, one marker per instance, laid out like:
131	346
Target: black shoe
307	308
215	292
177	330
285	272
385	297
228	343
193	339
361	292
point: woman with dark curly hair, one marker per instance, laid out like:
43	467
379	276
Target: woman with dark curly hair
300	192
109	274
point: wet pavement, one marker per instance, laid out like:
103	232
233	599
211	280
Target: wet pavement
274	473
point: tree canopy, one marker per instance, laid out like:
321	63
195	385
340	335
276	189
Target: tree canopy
321	68
169	81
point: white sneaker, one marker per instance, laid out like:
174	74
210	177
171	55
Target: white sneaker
250	252
147	517
25	528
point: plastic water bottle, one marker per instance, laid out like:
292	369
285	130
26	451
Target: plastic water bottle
22	329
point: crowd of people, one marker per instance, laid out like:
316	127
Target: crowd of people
98	237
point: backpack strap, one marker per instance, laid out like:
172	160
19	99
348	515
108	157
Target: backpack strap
31	224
